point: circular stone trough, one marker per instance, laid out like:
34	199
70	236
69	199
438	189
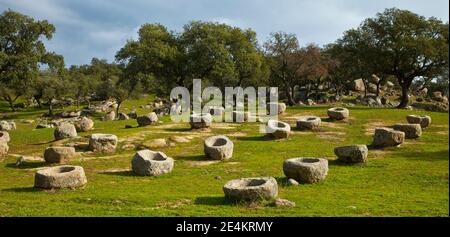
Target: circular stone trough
338	113
306	170
423	120
385	137
411	130
151	163
251	189
308	122
65	176
218	147
277	129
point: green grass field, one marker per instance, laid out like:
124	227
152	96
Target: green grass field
410	180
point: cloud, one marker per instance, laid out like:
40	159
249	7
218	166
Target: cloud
86	29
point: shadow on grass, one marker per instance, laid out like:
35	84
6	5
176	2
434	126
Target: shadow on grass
43	143
30	165
178	129
213	201
192	158
22	190
341	163
119	173
254	138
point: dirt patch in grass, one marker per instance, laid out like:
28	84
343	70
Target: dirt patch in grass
332	136
224	126
237	134
172	204
198	163
371	125
377	154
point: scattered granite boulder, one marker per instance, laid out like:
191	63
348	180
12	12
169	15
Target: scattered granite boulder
65	176
200	121
65	130
123	116
44	125
410	130
338	113
27	121
218	147
59	154
306	170
179	139
151	163
7	125
277	129
385	137
132	115
70	114
423	120
308	122
275	108
357	85
352	153
109	116
85	124
147	119
4	136
105	143
251	189
216	110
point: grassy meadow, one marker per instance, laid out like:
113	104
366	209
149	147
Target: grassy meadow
410	180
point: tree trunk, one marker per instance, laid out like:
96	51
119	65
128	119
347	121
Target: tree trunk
378	90
289	96
11	105
50	108
404	99
118	107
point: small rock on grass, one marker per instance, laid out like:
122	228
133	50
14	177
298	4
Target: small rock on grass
292	182
279	202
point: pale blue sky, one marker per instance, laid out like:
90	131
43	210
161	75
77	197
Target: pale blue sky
88	28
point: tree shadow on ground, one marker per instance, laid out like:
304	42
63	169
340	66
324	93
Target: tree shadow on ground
212	201
30	165
119	173
22	190
192	158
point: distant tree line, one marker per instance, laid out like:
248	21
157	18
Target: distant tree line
395	45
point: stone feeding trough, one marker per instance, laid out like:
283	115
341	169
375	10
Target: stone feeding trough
105	143
59	154
4	136
218	147
275	108
338	113
215	111
410	130
4	148
277	129
423	120
65	176
151	163
251	189
199	121
352	153
65	130
308	122
385	137
306	170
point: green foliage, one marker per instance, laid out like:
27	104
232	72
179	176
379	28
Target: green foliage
219	54
22	52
